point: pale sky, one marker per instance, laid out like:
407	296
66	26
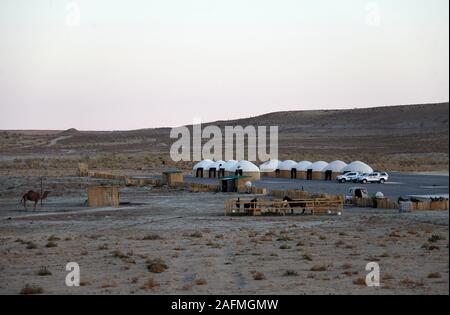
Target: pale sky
111	65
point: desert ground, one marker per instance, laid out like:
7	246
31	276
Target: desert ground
169	241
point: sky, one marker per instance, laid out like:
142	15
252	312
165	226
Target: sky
118	65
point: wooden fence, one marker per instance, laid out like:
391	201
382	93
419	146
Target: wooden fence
280	207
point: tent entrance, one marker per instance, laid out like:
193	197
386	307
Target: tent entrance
221	173
199	173
238	172
277	173
294	173
309	174
328	175
212	173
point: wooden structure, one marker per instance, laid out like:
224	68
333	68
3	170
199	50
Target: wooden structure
83	169
172	178
385	203
234	183
252	207
103	196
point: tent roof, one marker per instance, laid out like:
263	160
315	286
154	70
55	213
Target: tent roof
245	166
287	165
358	166
217	165
270	166
335	166
318	166
202	164
228	165
303	165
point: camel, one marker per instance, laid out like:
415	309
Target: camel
33	196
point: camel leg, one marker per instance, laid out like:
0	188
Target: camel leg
35	204
25	204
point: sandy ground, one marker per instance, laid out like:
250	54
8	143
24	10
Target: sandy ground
207	253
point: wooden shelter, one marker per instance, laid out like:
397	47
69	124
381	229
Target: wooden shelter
172	177
234	183
103	196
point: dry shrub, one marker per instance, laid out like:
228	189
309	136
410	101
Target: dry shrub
197	234
53	238
430	247
284	238
119	254
259	276
103	247
31	245
152	237
84	283
150	284
201	282
339	243
43	271
300	244
108	284
156	265
307	257
51	245
31	289
411	283
435	238
387	276
347	266
290	273
434	275
360	281
285	246
319	268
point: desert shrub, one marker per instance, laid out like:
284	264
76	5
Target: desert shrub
156	265
152	237
360	281
290	273
31	289
43	271
259	276
319	268
150	284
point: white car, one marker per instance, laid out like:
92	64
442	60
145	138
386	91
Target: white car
377	177
347	177
360	177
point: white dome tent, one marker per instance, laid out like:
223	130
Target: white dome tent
270	168
198	169
246	168
288	169
214	169
301	168
226	168
315	170
334	169
357	166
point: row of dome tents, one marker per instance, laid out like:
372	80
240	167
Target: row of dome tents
219	169
319	170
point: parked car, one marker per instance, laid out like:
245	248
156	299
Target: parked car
360	177
347	177
376	177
